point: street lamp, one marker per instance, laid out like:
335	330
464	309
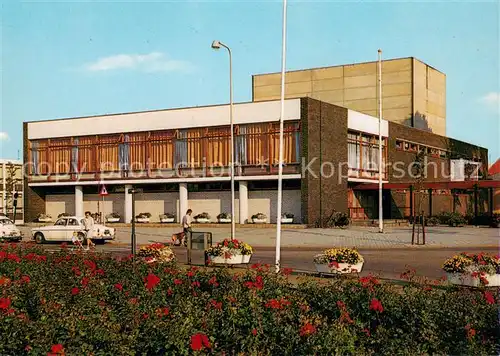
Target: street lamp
217	45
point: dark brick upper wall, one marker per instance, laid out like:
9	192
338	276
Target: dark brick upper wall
324	137
439	169
34	200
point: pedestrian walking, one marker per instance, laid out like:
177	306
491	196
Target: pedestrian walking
88	226
186	225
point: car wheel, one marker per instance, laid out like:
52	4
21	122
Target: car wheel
39	238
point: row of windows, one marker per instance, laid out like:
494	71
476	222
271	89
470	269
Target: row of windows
254	144
418	147
363	154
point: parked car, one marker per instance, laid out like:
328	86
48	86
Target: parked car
65	227
8	230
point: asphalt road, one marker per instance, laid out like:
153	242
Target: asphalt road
386	263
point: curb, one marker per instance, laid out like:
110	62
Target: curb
323	247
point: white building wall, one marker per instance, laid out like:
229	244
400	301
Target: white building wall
164	119
264	201
156	204
212	202
60	203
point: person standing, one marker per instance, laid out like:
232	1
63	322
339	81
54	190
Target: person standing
186	225
88	226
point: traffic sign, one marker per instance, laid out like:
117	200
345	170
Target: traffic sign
103	191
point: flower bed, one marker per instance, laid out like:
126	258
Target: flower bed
167	218
230	252
156	252
81	304
202	218
473	269
339	260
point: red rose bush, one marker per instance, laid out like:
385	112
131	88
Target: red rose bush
95	304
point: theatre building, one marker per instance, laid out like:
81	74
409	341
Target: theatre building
181	159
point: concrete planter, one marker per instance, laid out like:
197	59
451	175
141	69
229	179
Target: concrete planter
233	260
142	220
342	268
259	221
286	220
466	279
167	220
112	220
202	220
224	221
45	220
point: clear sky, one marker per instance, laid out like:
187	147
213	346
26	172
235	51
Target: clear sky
64	59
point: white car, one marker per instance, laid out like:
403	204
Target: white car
66	227
9	231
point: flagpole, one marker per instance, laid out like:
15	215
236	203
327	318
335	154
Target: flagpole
380	200
280	163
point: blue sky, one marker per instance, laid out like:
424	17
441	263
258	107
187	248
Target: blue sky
64	59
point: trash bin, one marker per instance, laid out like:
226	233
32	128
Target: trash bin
199	241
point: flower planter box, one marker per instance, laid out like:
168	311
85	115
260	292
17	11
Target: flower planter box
202	220
259	221
112	220
466	279
233	260
224	221
342	268
286	220
142	220
167	220
45	220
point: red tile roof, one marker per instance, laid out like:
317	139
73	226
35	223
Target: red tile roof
495	168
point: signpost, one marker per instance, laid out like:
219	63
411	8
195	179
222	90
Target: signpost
133	236
103	192
16	195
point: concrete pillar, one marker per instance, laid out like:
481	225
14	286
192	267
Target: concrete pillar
79	200
183	201
128	205
243	202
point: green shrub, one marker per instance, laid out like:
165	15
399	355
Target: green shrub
335	219
451	219
95	304
432	221
457	220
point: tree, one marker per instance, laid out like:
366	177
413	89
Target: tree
419	172
11	181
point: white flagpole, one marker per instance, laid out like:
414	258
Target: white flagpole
380	207
280	163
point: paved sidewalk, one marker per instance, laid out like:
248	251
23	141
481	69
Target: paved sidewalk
361	237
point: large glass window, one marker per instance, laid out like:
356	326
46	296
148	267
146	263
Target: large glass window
124	153
363	155
254	144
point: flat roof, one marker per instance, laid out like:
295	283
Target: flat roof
14	161
154	110
349	64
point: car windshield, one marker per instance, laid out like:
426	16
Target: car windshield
6	221
60	222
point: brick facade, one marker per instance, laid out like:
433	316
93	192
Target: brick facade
34	200
458	149
324	137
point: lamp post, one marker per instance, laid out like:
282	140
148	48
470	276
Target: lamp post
217	45
277	263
